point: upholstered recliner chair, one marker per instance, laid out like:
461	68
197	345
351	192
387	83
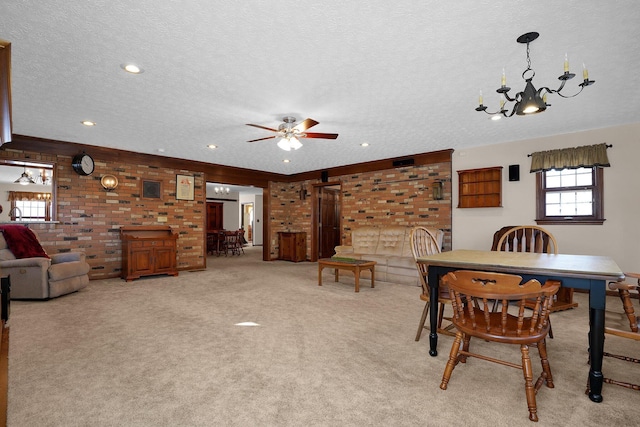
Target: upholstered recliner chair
33	273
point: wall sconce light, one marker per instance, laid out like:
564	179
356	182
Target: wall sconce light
109	182
437	190
221	190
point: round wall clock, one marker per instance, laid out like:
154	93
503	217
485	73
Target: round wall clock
83	164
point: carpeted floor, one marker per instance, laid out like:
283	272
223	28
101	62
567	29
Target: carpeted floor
166	351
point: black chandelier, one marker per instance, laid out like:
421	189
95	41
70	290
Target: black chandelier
530	100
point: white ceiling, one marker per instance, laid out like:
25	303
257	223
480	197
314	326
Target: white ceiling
403	76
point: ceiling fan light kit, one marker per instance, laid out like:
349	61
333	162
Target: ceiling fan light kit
290	133
530	100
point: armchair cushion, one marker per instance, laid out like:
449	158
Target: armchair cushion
66	270
22	242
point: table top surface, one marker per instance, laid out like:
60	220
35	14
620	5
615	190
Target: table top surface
587	266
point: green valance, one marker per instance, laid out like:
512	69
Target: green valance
570	158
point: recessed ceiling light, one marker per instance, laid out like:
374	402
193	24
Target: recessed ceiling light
364	144
131	68
160	150
496	117
88	123
286	160
212	146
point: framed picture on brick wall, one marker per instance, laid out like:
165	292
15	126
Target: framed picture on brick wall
151	189
185	187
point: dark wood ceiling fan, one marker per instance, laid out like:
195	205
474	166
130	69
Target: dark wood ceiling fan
289	130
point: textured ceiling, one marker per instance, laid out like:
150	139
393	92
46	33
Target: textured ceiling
403	76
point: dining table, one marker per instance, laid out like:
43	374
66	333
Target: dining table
587	272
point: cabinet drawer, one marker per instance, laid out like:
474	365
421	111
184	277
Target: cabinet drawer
136	244
150	243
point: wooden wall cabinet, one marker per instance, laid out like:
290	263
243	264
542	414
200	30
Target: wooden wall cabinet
148	250
480	188
292	246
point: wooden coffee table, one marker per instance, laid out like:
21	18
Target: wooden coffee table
355	265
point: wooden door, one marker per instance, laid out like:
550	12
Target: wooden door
214	216
329	224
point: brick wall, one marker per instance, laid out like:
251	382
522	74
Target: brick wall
401	196
90	217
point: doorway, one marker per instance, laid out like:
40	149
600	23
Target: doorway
247	222
327	224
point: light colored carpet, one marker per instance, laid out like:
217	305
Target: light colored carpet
165	351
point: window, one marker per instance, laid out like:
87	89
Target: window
27	206
570	196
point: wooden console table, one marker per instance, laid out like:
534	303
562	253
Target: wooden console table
148	250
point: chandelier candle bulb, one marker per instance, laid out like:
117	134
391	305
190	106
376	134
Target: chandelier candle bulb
566	63
480	98
585	72
504	78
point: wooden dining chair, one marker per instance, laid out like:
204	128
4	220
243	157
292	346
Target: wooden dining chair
532	238
528	238
232	242
471	295
424	243
240	241
624	323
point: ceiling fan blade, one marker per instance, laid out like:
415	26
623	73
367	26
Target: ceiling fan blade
321	135
262	127
262	139
305	124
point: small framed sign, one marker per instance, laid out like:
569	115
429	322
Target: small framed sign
151	189
185	185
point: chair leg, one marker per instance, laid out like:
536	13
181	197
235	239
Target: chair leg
546	368
452	362
423	319
465	348
440	315
530	391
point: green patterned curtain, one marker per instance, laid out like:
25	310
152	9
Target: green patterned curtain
570	158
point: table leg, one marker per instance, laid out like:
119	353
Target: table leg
433	312
596	349
357	273
373	276
335	272
320	268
